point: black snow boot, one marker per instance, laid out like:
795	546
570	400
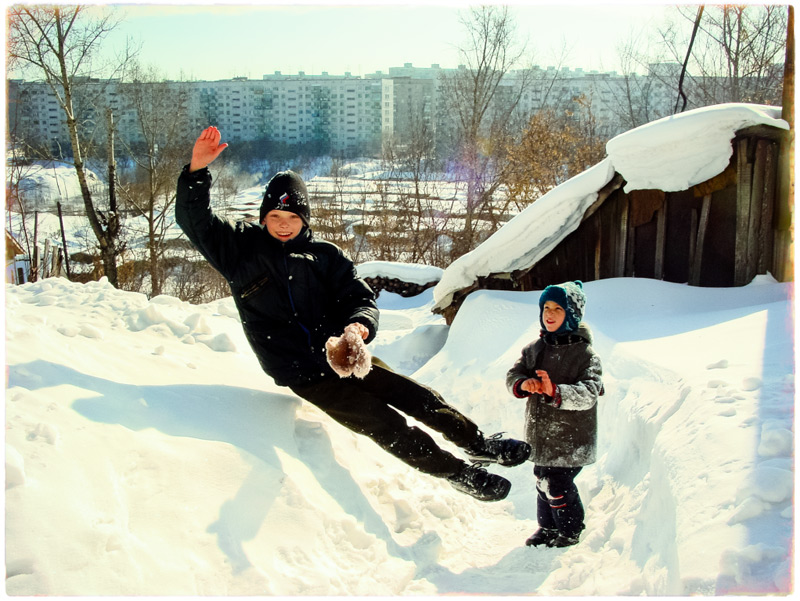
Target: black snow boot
543	536
479	483
503	451
565	540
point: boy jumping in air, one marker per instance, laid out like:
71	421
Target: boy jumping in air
297	295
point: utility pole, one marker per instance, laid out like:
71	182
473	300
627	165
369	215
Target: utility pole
784	222
63	239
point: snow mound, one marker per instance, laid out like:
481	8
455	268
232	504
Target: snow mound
43	182
186	471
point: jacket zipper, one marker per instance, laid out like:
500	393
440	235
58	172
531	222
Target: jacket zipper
537	435
291	302
254	287
537	438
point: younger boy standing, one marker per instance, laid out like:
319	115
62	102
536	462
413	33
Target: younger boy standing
560	375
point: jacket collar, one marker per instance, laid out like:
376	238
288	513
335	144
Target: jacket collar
582	334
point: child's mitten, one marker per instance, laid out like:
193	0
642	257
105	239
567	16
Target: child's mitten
348	355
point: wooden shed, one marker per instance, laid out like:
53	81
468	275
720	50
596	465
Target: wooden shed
721	232
17	264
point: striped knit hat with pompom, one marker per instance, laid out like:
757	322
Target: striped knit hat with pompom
571	297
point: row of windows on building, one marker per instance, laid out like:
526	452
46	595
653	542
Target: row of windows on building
356	106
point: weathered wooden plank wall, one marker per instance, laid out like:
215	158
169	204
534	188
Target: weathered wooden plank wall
719	233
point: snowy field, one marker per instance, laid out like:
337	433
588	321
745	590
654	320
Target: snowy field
147	454
363	189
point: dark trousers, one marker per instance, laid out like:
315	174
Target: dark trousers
558	504
372	407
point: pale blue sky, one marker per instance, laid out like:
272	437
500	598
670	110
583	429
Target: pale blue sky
220	41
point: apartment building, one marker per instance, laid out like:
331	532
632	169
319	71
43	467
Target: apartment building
350	114
34	107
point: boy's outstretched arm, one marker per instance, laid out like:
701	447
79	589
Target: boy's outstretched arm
206	148
214	237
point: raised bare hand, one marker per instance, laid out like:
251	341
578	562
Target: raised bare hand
206	149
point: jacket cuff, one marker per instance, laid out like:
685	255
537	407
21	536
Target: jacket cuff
200	176
517	390
557	397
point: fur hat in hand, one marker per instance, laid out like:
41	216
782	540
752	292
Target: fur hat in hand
286	191
571	297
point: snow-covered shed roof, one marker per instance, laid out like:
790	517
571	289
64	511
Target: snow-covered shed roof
670	154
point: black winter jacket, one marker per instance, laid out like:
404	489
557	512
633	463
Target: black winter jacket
291	296
561	431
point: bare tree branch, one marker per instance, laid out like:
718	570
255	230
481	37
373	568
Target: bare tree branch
58	43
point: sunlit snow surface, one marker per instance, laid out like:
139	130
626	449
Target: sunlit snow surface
147	454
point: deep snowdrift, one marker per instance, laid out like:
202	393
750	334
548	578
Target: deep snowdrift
147	454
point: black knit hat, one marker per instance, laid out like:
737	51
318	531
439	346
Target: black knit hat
571	297
286	192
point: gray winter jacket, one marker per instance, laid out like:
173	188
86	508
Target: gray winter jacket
562	430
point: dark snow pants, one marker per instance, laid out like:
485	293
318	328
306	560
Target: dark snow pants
372	407
558	504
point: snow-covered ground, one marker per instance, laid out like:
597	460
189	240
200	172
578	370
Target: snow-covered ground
359	192
147	454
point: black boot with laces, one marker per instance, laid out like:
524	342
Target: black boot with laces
543	536
565	540
477	482
503	451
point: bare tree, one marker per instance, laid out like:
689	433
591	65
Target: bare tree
157	150
193	280
635	97
18	167
483	106
59	43
737	54
415	160
16	171
329	210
